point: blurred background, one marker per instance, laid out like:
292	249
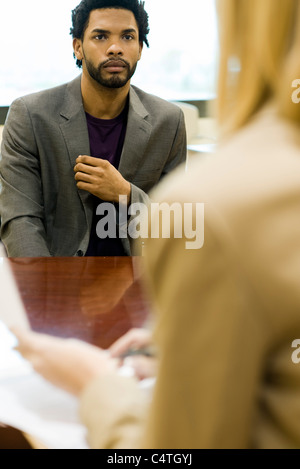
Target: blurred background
180	64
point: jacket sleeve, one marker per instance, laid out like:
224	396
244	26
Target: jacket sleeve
21	200
113	409
211	344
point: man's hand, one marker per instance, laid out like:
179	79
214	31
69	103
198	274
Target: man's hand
100	178
67	363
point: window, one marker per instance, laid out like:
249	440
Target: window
37	53
181	61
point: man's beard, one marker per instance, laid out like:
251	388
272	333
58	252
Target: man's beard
115	81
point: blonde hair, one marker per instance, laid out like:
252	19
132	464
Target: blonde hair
262	39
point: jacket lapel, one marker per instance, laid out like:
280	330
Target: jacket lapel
75	132
73	124
137	136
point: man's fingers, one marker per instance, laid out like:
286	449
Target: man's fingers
85	178
87	160
83	168
91	161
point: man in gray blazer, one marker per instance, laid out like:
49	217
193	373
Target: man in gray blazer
68	149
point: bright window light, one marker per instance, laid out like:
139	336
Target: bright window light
180	64
182	59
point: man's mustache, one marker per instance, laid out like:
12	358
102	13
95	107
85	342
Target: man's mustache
115	59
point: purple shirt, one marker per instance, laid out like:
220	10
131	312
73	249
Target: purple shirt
106	142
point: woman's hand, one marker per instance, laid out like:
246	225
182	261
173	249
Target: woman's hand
67	363
138	345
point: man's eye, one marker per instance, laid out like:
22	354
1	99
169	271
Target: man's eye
100	37
128	37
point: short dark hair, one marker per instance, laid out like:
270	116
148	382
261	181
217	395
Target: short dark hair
81	14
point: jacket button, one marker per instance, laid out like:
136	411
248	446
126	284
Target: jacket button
80	253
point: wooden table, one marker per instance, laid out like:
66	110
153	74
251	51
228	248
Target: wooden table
91	298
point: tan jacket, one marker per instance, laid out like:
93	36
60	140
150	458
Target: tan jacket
229	312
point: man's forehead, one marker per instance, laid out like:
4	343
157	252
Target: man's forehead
118	18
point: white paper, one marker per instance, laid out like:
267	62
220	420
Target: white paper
34	406
12	311
37	408
11	362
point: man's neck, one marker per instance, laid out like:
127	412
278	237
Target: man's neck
102	102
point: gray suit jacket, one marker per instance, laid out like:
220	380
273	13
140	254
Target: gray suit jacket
42	211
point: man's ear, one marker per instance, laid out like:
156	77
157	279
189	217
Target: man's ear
77	46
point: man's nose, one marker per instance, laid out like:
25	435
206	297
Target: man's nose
115	48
